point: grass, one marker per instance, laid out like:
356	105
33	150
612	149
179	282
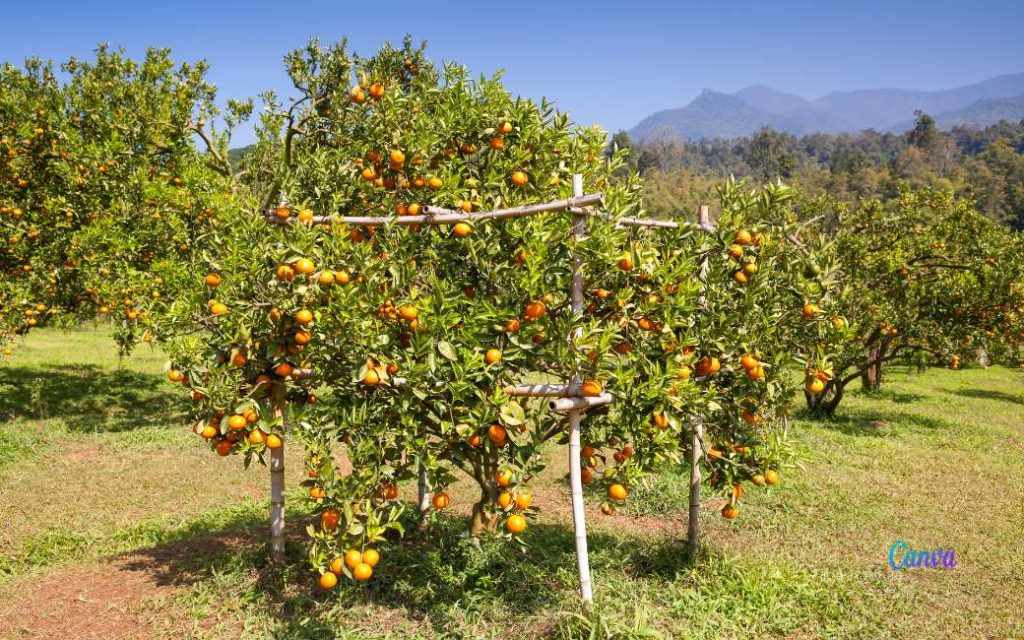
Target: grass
101	479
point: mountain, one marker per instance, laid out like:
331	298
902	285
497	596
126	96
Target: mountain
722	115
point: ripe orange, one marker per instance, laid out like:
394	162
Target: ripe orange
302	337
810	311
748	361
329	520
175	376
512	326
462	229
239	359
708	365
304	266
735	251
362	572
305	216
587	475
737	491
257	437
515	524
218	308
285	273
224	447
435	183
396	157
284	369
376	90
353	558
645	324
358	95
743	237
441	501
503	478
474	440
209	432
371	378
466	206
740	277
497	143
660	420
815	386
274	441
535	310
505	128
493	356
317	493
730	511
523	500
328	581
390	491
336	565
497	435
758	480
626	263
237	422
213	280
520	179
617	492
591	388
504	499
750	417
304	316
771	477
587	452
756	373
684	372
371	557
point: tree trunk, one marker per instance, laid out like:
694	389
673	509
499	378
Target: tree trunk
871	377
983	360
824	404
484	517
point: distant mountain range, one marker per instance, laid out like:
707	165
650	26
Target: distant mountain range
730	115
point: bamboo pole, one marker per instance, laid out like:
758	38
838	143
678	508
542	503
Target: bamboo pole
575	415
542	390
277	485
697	445
440	215
563	405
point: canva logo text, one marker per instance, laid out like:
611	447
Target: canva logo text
901	556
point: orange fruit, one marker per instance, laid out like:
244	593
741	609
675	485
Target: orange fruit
237	422
462	229
513	325
591	388
515	524
626	263
329	520
217	309
224	447
328	580
305	216
497	435
660	421
376	90
815	386
285	273
317	493
497	143
302	337
274	441
396	157
735	251
175	376
523	500
740	277
617	492
441	501
520	179
759	480
493	356
371	378
750	417
730	511
504	499
362	572
771	477
535	310
587	475
213	280
435	183
304	266
505	128
684	372
371	557
257	437
503	478
337	565
353	558
748	361
743	237
810	310
304	316
284	369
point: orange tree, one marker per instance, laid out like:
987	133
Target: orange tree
99	178
396	343
923	275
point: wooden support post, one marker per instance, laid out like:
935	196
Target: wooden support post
277	484
575	416
697	445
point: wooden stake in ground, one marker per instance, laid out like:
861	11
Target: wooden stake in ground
575	416
697	446
277	485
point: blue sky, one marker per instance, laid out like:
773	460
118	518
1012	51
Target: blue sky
607	62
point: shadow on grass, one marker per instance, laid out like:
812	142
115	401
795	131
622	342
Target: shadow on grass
88	398
444	576
875	423
988	394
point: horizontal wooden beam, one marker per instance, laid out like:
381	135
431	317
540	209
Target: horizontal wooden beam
564	405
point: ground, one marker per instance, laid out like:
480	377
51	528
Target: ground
118	523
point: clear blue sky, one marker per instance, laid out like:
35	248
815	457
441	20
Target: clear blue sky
607	62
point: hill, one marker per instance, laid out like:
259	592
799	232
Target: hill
722	115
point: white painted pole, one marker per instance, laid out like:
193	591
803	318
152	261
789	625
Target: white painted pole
575	471
277	486
697	445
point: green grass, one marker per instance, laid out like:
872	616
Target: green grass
103	478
